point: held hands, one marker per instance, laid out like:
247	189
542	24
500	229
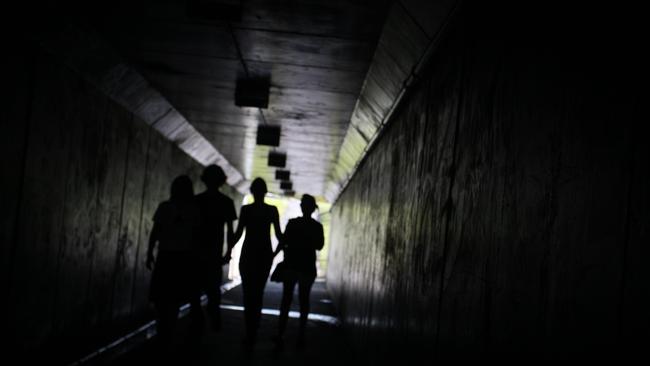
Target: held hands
231	242
226	258
277	250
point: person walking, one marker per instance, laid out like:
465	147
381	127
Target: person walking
174	224
217	211
256	254
302	237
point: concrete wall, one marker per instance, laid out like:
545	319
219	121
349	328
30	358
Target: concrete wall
504	209
82	178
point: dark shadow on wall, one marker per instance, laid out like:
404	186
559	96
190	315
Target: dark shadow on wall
81	181
506	197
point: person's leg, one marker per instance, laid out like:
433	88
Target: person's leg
166	322
258	296
287	296
248	295
196	279
213	291
304	290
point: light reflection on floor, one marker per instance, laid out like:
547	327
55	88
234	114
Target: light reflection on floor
292	314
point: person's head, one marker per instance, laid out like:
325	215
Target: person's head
258	189
308	205
182	188
213	176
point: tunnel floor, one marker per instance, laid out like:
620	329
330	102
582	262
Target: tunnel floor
325	340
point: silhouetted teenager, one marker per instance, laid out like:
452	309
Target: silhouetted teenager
217	210
256	254
302	237
173	226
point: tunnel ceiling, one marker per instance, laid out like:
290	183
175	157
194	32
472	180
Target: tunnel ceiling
315	53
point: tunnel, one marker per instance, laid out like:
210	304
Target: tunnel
482	173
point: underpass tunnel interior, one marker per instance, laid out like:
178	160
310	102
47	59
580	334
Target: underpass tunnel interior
481	169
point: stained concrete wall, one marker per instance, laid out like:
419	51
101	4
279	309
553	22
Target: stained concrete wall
412	27
504	209
82	178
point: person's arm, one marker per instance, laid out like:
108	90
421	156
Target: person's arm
276	225
278	249
320	238
230	235
282	242
153	239
241	224
231	216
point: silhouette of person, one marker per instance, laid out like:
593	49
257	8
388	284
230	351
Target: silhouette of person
302	237
216	210
174	223
256	254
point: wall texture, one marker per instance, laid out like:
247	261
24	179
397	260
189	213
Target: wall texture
504	209
82	178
